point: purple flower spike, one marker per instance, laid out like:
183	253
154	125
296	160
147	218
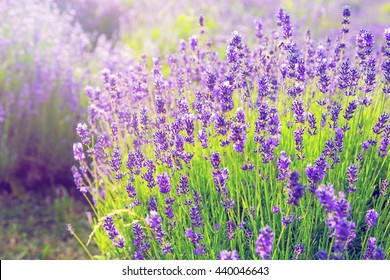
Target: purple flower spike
203	139
264	242
78	152
295	189
275	209
374	252
298	250
113	233
164	182
283	166
352	173
83	133
371	218
384	187
228	255
364	43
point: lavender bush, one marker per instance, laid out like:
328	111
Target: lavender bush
42	76
276	151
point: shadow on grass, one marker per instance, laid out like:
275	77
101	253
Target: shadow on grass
34	227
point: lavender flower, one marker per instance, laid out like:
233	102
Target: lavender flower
264	242
78	152
113	233
350	110
202	137
384	187
275	209
352	172
83	133
196	218
382	149
183	187
374	252
298	250
346	21
220	177
196	238
283	164
371	218
381	123
164	182
299	112
228	255
364	44
311	119
322	255
295	189
238	132
230	229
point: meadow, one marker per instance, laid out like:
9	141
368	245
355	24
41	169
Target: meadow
182	136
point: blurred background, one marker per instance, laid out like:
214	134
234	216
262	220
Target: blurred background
50	50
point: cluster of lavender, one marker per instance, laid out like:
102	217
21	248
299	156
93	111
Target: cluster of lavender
96	17
191	148
45	57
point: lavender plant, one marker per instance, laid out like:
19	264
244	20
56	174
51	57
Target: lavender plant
42	76
276	151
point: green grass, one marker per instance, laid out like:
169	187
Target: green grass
34	227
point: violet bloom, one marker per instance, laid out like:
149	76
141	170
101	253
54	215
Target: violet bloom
298	135
338	139
352	173
116	159
326	196
155	222
381	123
311	119
153	203
238	131
228	255
299	112
264	242
345	75
384	187
203	139
322	255
196	218
298	250
374	252
196	238
346	21
113	233
382	149
168	211
164	182
259	28
78	152
295	189
140	242
364	44
287	220
230	229
350	110
131	191
371	218
283	164
183	187
149	175
220	177
78	180
275	209
83	133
